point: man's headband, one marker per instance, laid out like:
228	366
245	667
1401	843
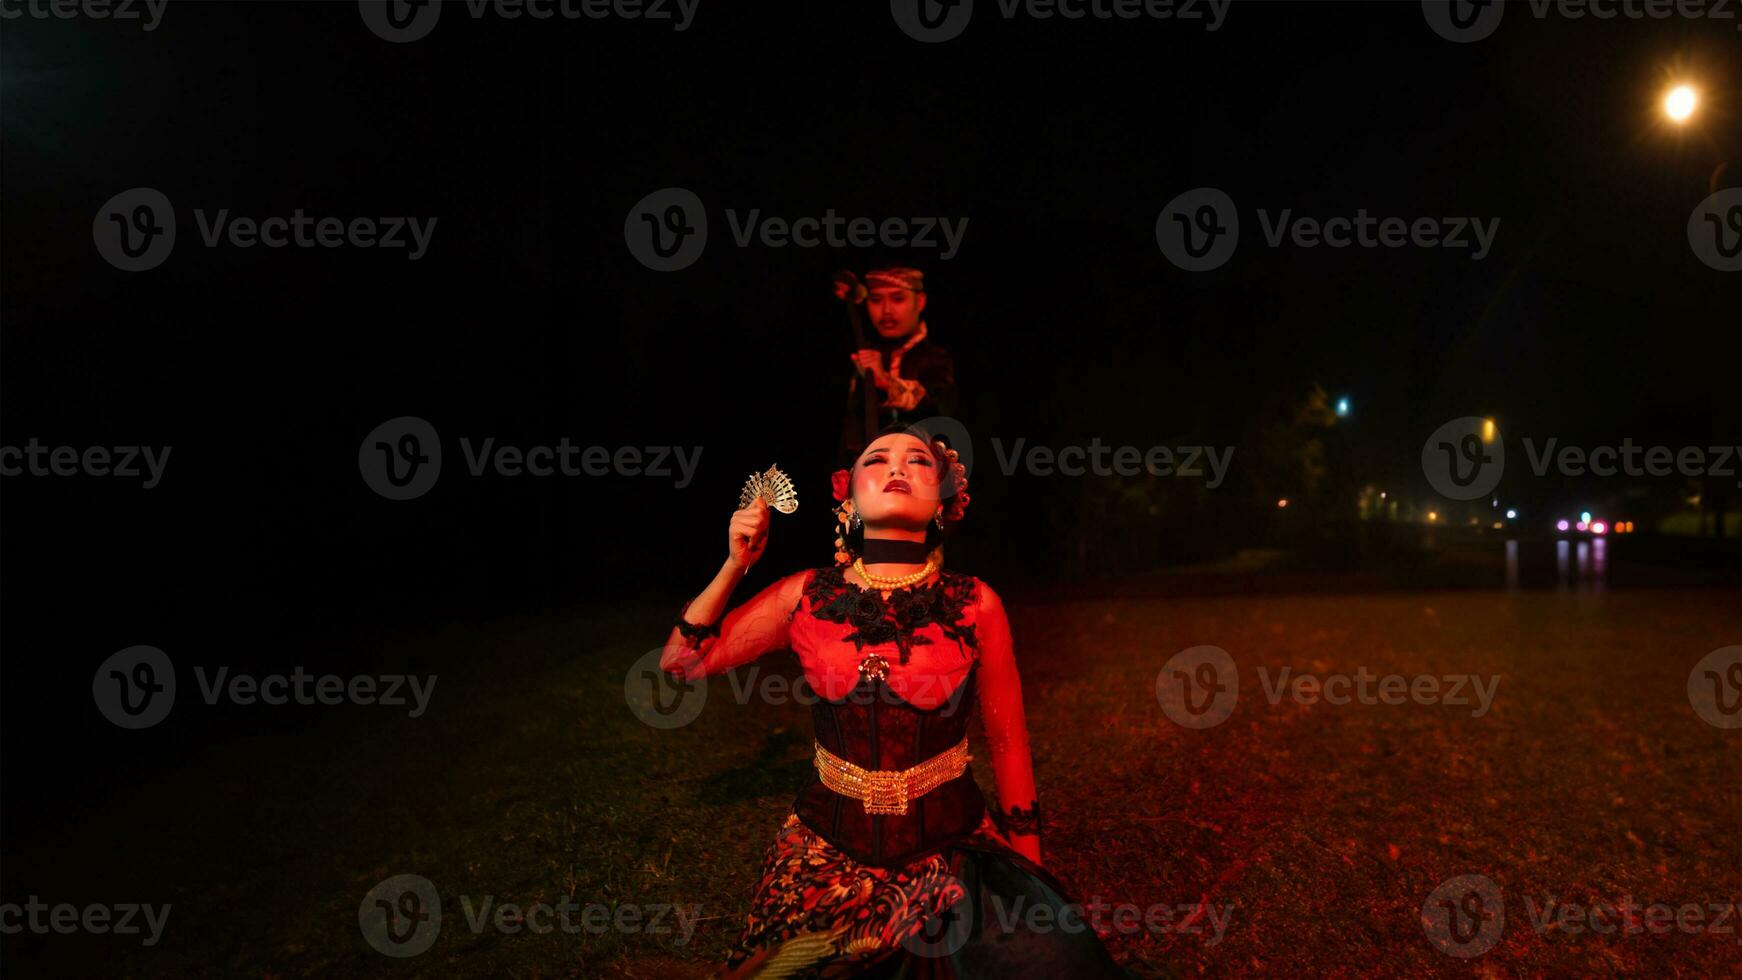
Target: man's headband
897	277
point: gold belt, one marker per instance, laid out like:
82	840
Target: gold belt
888	790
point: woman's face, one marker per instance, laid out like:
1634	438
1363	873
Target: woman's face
896	482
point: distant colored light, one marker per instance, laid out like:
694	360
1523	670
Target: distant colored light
1488	430
1585	516
1342	407
1599	527
1283	502
1381	495
1629	527
1560	525
1433	515
1583	525
1499	524
1511	515
1679	104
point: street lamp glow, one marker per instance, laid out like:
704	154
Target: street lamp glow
1342	408
1680	103
1511	515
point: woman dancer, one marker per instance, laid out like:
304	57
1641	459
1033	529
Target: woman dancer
891	863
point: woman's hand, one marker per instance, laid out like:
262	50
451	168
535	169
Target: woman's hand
748	535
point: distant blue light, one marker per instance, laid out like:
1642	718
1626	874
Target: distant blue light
1342	407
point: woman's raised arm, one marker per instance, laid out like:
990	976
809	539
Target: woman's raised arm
702	642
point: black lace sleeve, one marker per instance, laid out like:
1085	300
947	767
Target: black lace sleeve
695	633
1016	820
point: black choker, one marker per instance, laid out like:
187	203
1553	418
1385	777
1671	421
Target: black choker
890	551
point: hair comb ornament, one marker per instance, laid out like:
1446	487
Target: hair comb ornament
773	486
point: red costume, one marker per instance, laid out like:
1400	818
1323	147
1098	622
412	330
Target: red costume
848	891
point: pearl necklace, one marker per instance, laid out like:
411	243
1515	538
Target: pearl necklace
885	584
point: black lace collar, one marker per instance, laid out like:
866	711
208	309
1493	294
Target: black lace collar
899	618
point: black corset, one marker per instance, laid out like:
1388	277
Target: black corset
875	728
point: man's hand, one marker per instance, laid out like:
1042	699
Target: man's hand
872	361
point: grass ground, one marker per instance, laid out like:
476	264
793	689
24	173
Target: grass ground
1317	831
